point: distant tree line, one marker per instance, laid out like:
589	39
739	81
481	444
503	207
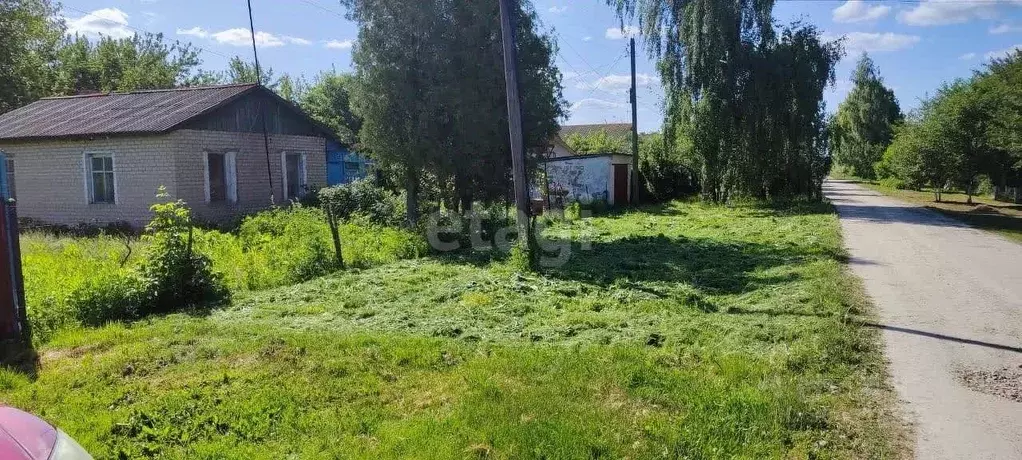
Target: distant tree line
968	130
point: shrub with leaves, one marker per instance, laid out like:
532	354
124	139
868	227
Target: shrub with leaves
294	243
111	297
364	198
174	274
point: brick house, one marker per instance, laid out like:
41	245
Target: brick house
100	158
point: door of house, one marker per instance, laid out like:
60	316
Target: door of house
620	184
335	163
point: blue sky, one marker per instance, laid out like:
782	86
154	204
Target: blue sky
917	45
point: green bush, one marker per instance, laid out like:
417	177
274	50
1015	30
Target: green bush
366	199
893	182
174	274
110	297
293	244
667	169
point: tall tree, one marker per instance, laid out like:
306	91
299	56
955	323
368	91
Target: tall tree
957	125
752	99
864	124
328	100
127	64
242	71
429	89
29	37
1000	86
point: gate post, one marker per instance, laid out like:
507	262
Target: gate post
13	315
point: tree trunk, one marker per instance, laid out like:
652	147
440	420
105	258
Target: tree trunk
412	197
968	191
335	233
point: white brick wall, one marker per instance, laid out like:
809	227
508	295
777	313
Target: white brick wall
50	176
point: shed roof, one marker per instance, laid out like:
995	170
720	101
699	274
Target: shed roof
137	112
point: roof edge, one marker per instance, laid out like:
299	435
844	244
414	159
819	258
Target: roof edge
146	91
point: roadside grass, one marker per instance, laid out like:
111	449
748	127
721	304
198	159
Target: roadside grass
687	331
985	212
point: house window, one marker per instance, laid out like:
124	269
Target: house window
221	177
295	184
99	176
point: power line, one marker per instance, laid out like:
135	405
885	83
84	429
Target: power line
319	6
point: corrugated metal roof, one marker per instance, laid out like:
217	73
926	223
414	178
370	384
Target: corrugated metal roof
137	112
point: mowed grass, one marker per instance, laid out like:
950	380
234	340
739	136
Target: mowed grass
687	331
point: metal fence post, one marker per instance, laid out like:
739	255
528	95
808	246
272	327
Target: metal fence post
13	314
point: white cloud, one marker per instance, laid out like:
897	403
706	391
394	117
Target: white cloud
859	11
1003	53
339	44
617	33
558	9
296	40
587	38
194	31
942	12
110	22
242	37
1004	29
967	56
614	83
599	104
858	42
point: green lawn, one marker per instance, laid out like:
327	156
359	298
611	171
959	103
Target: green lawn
688	331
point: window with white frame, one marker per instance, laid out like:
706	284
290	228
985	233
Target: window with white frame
99	177
295	179
221	177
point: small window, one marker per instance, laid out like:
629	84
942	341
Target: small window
99	175
295	184
221	178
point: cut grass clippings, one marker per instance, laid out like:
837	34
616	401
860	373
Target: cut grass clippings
688	331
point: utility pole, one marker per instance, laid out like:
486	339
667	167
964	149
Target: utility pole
262	109
635	131
514	120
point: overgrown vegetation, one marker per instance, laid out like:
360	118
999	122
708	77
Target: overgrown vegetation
688	330
598	142
74	281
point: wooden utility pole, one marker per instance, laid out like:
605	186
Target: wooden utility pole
635	131
262	110
514	120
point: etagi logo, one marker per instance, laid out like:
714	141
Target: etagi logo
448	232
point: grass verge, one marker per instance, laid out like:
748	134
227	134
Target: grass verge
687	331
985	212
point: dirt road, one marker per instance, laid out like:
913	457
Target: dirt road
950	302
